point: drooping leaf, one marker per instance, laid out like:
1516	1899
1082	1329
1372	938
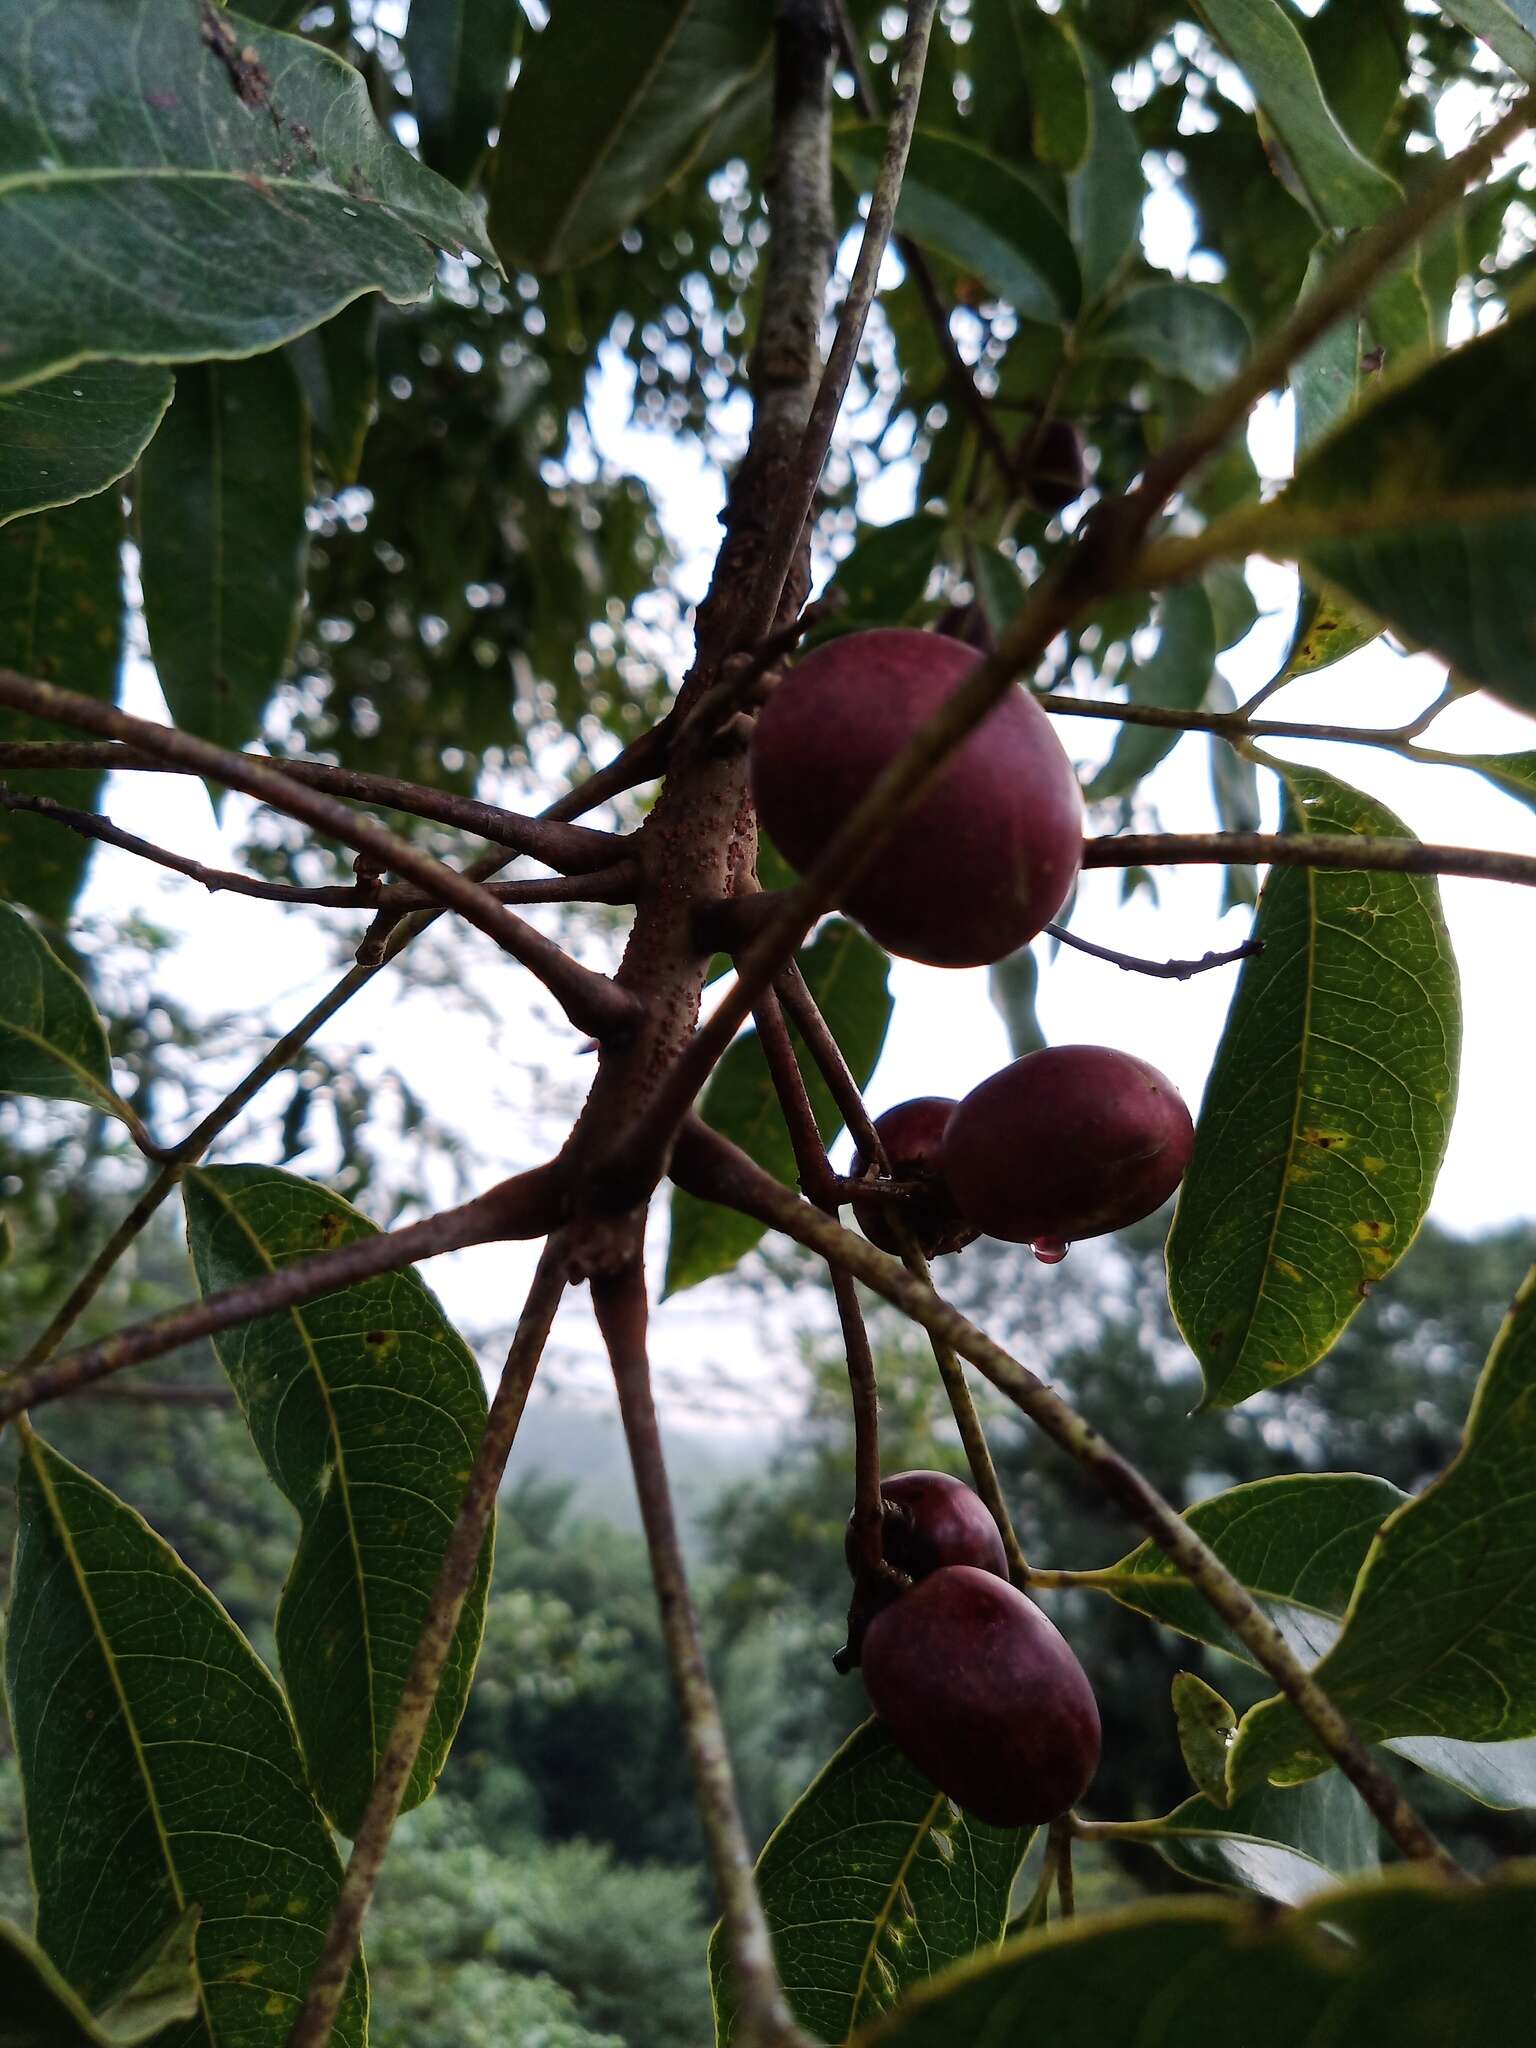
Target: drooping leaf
160	1770
459	53
871	1883
973	209
1206	1724
1419	1962
1175	675
1515	774
52	1043
1012	984
220	513
1438	1639
1235	793
1183	330
337	368
176	183
1286	1845
882	580
70	437
1326	631
1234	611
612	100
1000	585
1105	197
39	2010
1432	531
61	620
1326	381
846	973
367	1409
1327	1111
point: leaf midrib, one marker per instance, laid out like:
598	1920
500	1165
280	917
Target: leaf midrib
882	1918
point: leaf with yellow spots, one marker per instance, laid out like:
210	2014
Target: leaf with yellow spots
1327	1112
1439	1638
871	1882
367	1408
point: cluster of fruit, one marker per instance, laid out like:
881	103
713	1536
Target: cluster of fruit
974	1684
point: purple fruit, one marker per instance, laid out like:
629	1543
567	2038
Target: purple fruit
1067	1143
984	859
912	1134
931	1521
980	1691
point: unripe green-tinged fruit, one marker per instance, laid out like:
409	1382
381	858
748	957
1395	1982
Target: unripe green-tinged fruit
932	1520
1067	1143
1054	469
984	859
912	1134
980	1691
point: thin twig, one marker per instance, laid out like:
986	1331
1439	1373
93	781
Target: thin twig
591	1001
1062	1831
1227	725
763	2017
794	992
528	1205
1308	850
418	1697
1160	970
711	1166
571	849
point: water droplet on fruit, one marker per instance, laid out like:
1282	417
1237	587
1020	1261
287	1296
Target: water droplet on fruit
1050	1251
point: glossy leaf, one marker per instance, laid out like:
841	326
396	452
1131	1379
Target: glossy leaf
1175	675
337	368
1438	1638
367	1409
61	620
174	186
1419	1963
610	105
977	212
52	1043
847	974
1285	1845
220	513
1432	531
70	437
1105	197
1326	631
870	1883
1206	1724
1327	1111
160	1771
459	53
40	2010
1182	330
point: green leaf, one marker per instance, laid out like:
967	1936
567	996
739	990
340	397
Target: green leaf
1433	532
52	1043
883	578
61	619
1326	631
1286	1845
1175	676
1234	789
1505	26
459	53
1327	380
40	2010
846	973
1233	612
1013	984
1205	1724
367	1408
1437	1640
870	1883
73	435
1515	774
1105	198
220	512
1026	71
160	1770
1343	188
1000	585
611	103
176	183
977	212
1183	330
337	367
1327	1110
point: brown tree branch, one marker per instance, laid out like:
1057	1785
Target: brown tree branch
763	2018
709	1166
1308	850
418	1697
591	1001
1160	970
795	994
529	1205
570	849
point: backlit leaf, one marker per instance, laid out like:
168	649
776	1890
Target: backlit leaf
52	1043
40	2011
1175	675
1286	1845
70	437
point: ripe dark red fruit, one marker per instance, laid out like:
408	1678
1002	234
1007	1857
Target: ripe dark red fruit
931	1521
1067	1143
1054	469
912	1134
984	1696
985	859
